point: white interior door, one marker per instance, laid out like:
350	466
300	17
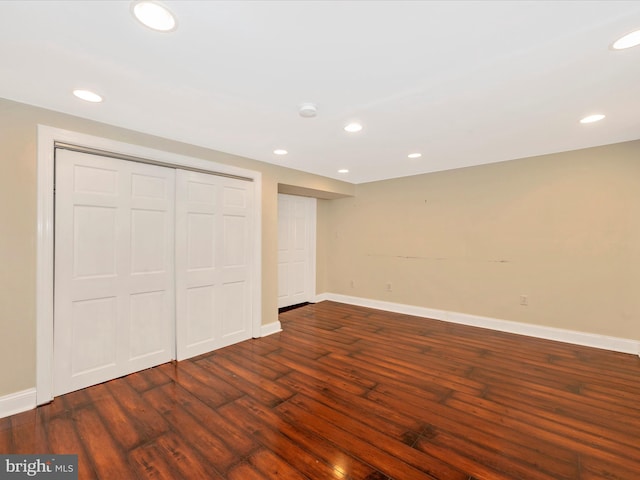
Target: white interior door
296	249
213	262
114	295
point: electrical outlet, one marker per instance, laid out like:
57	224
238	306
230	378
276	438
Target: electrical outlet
388	288
524	300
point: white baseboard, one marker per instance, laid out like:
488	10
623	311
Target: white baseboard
604	342
17	402
270	328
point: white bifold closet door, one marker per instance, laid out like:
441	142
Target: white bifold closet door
214	231
114	269
151	264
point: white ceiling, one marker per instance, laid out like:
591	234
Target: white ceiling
464	83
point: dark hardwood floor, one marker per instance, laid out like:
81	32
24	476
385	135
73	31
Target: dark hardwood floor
353	393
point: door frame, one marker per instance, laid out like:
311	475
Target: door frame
47	137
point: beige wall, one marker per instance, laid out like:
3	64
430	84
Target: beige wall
18	134
562	229
17	253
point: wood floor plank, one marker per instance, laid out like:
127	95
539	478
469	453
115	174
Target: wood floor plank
242	384
393	422
51	410
108	460
197	381
483	462
150	463
595	420
355	393
279	443
77	400
540	427
427	463
258	349
186	461
228	430
507	384
64	440
211	447
272	466
342	464
29	433
208	373
436	385
114	418
147	379
256	380
289	343
259	364
6	434
148	421
594	468
244	471
312	368
353	444
619	398
466	423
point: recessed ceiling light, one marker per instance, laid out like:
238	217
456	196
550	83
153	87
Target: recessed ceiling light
280	151
414	155
343	170
154	15
353	127
629	40
88	96
592	118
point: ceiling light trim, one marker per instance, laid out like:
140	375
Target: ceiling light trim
596	117
630	40
87	95
353	127
154	15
